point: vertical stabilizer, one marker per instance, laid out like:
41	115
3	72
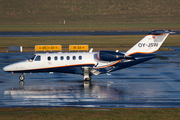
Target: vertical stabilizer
150	43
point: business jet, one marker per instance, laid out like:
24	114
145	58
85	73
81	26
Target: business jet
91	63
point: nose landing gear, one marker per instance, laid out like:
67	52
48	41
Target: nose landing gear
21	78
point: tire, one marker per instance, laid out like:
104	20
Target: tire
88	79
21	78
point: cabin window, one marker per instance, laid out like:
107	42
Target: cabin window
68	58
80	57
62	58
55	58
49	58
74	57
38	58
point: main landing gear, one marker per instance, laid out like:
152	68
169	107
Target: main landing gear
21	78
87	77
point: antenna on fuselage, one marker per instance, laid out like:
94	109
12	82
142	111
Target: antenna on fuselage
91	50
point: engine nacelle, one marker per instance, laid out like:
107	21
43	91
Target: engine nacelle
109	55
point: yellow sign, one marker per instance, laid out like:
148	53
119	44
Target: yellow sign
48	47
78	47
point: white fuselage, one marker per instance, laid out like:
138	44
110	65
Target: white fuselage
57	60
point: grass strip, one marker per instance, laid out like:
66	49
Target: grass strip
89	113
121	42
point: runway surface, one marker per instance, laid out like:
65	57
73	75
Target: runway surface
153	84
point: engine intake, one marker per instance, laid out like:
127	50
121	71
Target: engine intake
109	55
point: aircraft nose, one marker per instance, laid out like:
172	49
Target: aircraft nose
11	67
4	68
7	68
14	67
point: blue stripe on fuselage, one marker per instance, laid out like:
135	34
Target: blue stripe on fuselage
64	69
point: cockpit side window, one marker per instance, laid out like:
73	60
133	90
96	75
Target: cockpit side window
38	58
32	58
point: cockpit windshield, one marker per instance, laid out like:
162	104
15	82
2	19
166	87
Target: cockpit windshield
32	58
